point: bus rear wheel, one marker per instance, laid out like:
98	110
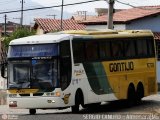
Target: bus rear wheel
32	111
131	96
139	93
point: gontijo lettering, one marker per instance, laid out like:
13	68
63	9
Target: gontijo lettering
121	66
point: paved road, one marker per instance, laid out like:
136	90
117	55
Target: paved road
148	110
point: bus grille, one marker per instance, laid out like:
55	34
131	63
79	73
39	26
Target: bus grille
35	94
24	94
38	94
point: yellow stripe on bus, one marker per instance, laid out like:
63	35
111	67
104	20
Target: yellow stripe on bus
123	72
23	91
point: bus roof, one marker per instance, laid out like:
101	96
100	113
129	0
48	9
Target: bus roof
65	35
111	33
40	39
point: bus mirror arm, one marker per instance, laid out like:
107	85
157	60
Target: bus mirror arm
3	70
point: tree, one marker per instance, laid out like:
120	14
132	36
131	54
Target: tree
19	33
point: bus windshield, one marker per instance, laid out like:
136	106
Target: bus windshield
35	74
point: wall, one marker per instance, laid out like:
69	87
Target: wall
39	31
152	23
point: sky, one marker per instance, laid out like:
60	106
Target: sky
10	5
90	7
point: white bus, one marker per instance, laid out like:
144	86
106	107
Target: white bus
73	68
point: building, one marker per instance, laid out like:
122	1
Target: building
10	27
45	25
134	18
6	29
83	16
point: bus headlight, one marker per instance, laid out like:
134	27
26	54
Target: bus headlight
57	94
12	103
50	101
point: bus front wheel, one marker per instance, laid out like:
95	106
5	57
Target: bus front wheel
78	100
32	111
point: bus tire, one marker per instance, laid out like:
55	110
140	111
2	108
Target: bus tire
131	96
93	105
32	111
139	93
78	101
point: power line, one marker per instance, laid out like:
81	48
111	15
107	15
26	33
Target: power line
32	6
71	4
125	3
140	7
38	8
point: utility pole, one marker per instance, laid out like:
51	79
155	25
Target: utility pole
21	21
85	15
82	13
54	16
110	14
62	16
5	25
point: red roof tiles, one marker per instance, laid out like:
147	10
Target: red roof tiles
156	35
55	25
127	15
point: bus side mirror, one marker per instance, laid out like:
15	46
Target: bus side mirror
4	70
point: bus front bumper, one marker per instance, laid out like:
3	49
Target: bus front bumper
36	102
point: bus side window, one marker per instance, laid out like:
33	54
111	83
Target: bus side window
91	50
65	64
158	49
141	48
78	52
150	43
129	48
104	49
117	49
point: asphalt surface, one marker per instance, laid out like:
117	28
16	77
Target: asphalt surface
149	109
